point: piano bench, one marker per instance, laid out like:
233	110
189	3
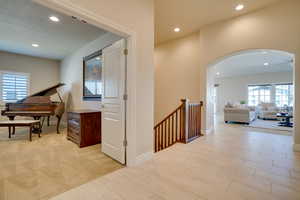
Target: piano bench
12	124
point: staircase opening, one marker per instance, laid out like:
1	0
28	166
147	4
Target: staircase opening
183	125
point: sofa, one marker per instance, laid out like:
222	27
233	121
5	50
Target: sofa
241	114
268	111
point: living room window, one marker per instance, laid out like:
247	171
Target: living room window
281	94
258	94
284	95
14	86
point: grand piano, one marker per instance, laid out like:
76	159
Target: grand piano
38	105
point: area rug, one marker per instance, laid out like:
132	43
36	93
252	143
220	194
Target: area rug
269	124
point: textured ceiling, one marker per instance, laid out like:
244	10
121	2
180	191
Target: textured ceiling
191	15
252	62
23	23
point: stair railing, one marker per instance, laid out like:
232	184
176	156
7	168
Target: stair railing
182	125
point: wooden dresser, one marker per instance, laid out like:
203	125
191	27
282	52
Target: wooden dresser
84	127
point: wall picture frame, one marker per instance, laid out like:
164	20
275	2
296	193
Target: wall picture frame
92	77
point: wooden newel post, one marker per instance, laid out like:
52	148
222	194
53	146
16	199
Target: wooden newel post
185	120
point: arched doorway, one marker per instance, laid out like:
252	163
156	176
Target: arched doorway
270	72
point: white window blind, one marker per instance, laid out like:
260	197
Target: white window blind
281	94
15	86
258	94
284	95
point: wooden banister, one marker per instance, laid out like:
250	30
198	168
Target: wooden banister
168	116
194	121
168	131
182	125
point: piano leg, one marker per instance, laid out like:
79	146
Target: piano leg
9	132
48	120
37	129
58	123
31	128
42	122
40	127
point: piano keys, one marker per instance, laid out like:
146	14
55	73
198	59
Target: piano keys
37	105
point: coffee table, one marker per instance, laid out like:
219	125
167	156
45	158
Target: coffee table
285	120
12	124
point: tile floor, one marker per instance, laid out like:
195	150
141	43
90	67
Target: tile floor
47	166
234	163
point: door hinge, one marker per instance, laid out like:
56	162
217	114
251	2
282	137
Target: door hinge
125	52
125	143
125	97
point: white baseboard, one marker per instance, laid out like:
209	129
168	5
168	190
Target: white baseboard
143	158
208	131
297	147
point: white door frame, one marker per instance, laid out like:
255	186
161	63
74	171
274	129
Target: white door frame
130	35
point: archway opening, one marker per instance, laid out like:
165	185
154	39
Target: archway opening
252	89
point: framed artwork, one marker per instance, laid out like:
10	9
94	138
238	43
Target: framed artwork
92	77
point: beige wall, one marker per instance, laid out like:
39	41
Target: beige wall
43	72
137	16
177	71
275	27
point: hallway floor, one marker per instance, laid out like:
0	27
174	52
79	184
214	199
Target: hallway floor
234	163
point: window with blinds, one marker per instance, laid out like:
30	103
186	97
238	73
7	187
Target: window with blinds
284	95
15	86
281	94
259	94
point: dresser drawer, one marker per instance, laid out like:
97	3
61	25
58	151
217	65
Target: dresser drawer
74	123
73	134
74	130
84	127
73	137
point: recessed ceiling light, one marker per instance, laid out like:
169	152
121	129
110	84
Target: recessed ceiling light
177	30
98	58
266	64
239	7
218	73
54	18
35	45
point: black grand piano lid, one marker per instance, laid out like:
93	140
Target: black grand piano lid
47	92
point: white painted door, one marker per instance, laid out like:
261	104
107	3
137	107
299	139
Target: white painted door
113	103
